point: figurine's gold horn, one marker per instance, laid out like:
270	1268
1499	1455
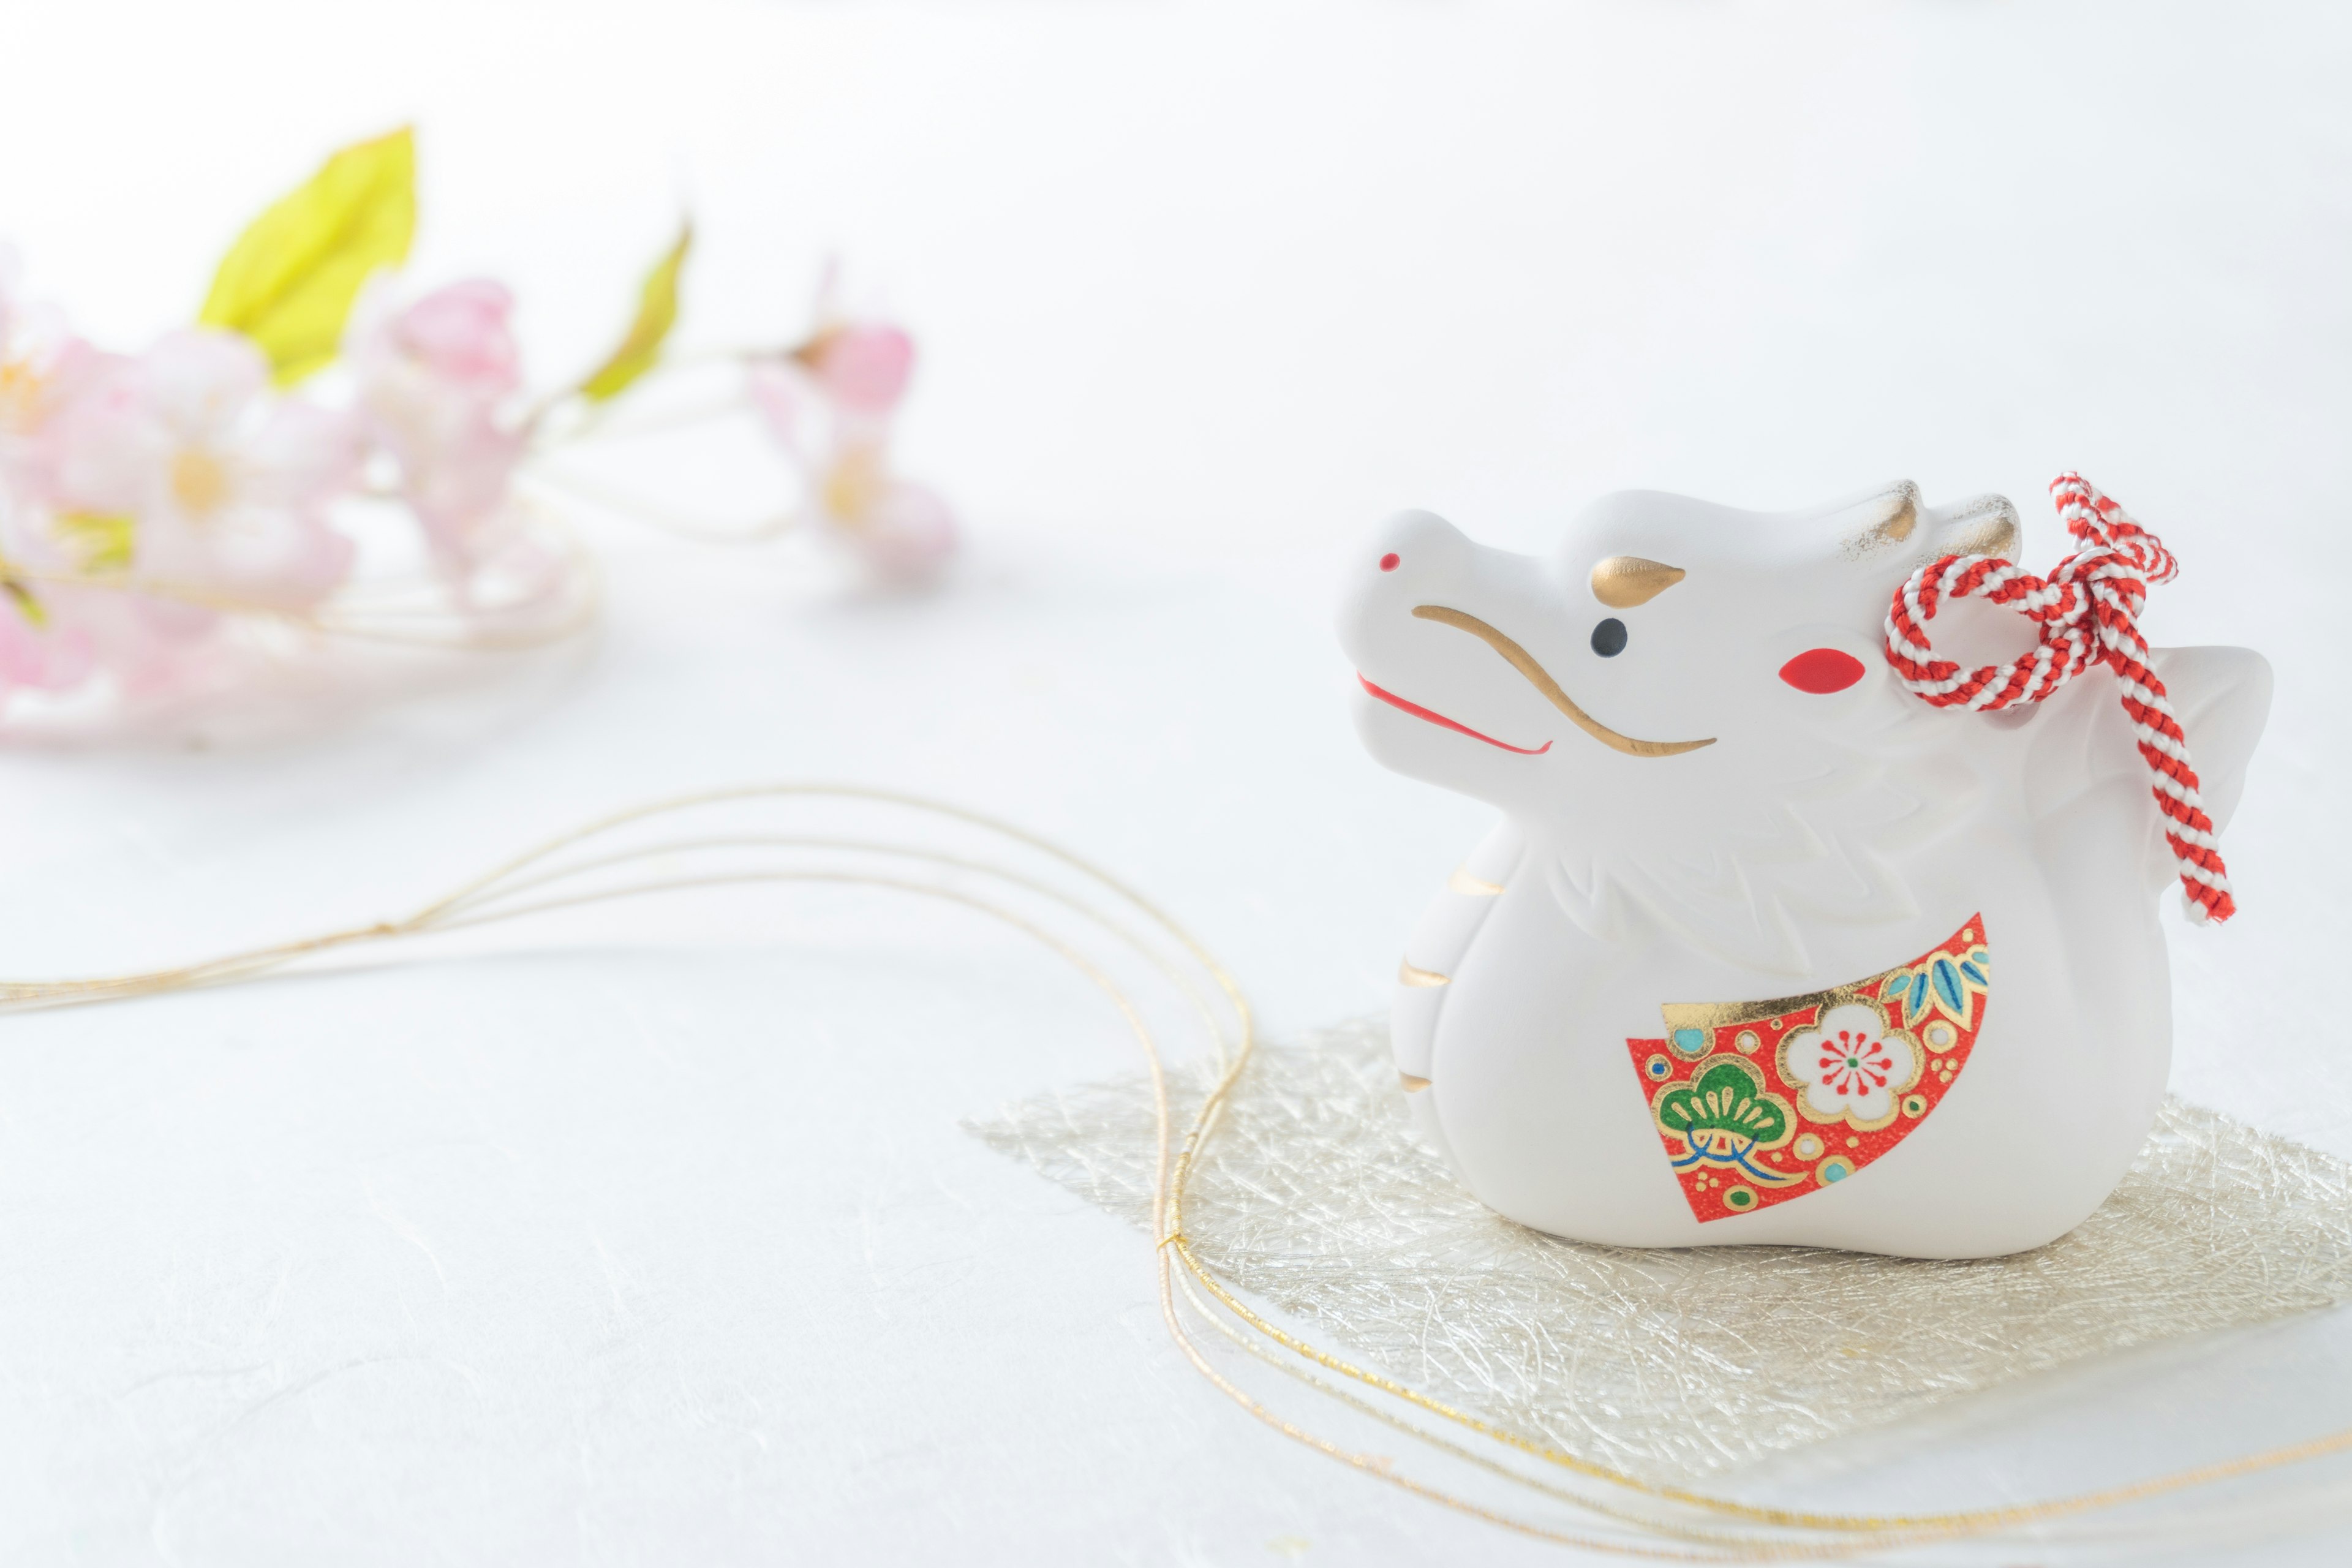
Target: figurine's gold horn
1622	582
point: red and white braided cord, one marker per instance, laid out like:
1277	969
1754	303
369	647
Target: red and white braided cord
2088	610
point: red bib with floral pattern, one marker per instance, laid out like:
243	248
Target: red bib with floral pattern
1759	1102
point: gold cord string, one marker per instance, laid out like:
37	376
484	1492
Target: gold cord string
495	897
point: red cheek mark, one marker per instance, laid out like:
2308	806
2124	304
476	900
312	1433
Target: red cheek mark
1390	561
1822	670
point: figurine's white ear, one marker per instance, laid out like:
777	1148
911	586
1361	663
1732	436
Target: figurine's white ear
2083	772
2222	698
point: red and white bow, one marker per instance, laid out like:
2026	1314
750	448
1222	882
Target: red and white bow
2088	612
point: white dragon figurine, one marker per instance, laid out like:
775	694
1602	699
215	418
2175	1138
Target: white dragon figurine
1766	950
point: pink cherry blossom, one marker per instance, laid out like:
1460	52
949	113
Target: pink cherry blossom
830	416
217	491
147	502
460	332
863	368
433	382
42	365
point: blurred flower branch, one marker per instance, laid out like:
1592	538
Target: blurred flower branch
152	503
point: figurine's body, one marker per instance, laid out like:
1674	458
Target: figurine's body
1730	834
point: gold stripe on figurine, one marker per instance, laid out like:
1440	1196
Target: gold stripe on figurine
1540	678
1409	975
1411	1085
1461	881
1715	1014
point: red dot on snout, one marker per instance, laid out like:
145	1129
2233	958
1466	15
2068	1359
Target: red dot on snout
1390	561
1821	671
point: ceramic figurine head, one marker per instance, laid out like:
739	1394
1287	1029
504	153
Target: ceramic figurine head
1719	798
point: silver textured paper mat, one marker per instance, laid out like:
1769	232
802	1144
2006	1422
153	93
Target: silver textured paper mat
1314	1199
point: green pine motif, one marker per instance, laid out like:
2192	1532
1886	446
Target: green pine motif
1724	1097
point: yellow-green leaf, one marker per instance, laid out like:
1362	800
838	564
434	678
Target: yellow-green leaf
288	281
26	605
106	539
656	314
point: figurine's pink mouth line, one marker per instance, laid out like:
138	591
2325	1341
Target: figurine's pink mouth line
1418	711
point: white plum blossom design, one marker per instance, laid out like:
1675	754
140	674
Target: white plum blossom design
1851	1067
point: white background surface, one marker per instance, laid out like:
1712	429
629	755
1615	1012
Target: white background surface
613	1253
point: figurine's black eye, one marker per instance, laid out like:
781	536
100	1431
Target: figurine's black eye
1608	638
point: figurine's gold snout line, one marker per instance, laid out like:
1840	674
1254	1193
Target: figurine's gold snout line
1540	678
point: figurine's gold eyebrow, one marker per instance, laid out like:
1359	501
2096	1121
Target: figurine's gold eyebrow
1622	582
1540	678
